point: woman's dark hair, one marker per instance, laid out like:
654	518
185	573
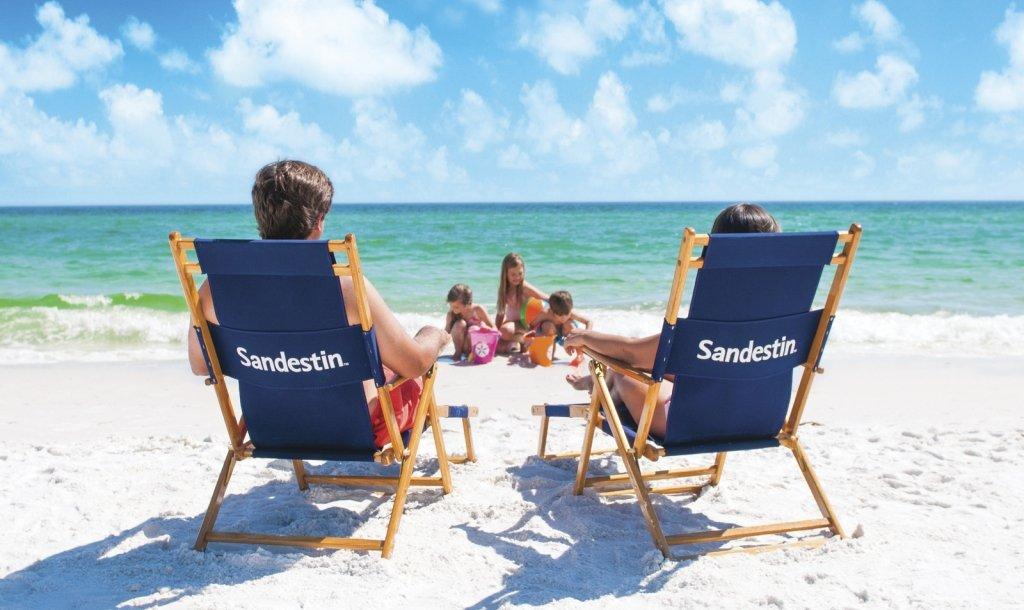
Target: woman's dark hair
745	218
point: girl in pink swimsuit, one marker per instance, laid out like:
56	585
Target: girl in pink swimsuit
463	316
513	292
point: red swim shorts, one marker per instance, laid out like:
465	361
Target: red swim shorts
404	398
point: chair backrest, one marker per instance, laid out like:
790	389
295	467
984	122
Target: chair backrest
283	333
750	323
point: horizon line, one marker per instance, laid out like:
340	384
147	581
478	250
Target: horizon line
527	202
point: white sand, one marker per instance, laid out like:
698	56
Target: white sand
106	469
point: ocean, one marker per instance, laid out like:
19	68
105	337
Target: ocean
97	283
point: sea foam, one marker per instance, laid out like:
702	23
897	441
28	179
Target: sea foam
102	329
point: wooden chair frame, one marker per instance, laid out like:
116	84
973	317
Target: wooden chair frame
394	452
602	409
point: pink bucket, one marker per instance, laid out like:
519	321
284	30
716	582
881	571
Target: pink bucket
484	343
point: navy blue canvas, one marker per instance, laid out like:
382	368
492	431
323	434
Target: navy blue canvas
282	296
293	360
753	290
742	350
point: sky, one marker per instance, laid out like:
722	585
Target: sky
491	100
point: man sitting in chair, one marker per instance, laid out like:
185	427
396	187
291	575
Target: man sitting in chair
291	200
640	351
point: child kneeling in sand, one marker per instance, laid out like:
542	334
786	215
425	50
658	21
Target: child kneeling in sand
559	318
463	316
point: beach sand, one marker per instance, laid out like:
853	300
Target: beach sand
106	469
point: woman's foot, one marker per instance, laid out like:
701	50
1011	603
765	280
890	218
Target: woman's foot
580	381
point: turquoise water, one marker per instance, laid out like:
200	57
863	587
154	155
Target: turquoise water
71	267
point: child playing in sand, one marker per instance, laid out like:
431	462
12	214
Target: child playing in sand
559	317
513	294
463	316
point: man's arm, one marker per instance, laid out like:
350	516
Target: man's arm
637	352
405	355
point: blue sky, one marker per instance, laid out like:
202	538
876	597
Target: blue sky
489	100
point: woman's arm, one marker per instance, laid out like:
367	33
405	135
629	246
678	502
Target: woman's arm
405	355
635	351
481	314
530	291
195	353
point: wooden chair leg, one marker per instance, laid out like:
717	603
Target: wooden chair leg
629	460
442	454
542	440
216	500
716	476
409	462
300	474
816	490
588	443
467	432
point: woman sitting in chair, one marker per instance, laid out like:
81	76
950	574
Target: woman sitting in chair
640	351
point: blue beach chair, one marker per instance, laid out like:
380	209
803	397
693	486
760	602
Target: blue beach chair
284	335
750	323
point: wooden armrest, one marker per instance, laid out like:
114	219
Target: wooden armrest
460	411
620	366
394	384
575	410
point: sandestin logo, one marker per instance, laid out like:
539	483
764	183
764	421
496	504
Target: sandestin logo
779	348
282	363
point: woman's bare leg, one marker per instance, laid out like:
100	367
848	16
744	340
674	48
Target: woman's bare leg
632	393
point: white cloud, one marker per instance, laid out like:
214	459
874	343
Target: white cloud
54	59
139	34
653	47
513	157
757	36
481	127
177	60
745	33
845	138
334	46
864	165
885	86
141	131
566	39
930	164
880	25
548	126
761	156
707	135
1004	91
912	111
851	43
883	25
606	138
487	6
770	108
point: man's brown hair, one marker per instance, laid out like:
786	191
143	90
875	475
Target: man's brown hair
290	198
560	302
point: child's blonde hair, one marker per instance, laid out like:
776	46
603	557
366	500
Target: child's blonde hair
511	261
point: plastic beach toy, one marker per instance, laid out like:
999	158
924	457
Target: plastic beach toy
484	343
530	310
541	350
